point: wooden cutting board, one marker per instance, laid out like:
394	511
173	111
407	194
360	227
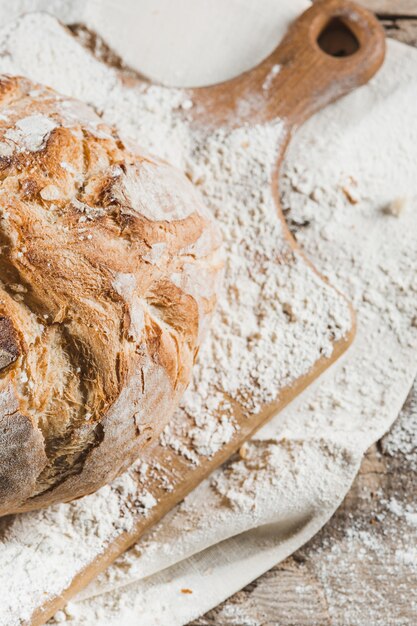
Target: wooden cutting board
331	49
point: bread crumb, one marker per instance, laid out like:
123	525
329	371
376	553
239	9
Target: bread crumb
289	312
396	207
187	105
243	451
351	195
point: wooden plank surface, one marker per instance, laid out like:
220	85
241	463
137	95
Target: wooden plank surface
391	7
402	29
361	569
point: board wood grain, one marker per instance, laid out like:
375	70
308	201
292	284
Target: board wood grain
395	8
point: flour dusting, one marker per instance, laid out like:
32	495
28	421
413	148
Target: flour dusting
266	332
78	528
277	317
335	205
30	133
275	320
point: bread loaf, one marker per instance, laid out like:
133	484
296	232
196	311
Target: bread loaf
110	266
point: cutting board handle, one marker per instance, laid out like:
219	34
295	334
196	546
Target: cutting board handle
316	77
329	50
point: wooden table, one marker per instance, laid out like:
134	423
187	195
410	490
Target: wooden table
361	569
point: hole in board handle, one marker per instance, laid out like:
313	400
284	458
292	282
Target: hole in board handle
337	40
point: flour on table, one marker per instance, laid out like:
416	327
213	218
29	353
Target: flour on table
79	528
239	497
402	438
314	450
276	317
374	556
364	152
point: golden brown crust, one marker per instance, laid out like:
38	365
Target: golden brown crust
103	252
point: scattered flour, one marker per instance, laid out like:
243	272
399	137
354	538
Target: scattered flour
375	557
269	80
364	155
275	320
362	568
402	438
237	496
267	331
79	528
256	347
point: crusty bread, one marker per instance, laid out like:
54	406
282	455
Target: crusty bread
109	272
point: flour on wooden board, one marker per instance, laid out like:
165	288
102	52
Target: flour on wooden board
257	345
337	208
252	241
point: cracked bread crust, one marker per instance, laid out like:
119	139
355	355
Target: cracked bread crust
109	273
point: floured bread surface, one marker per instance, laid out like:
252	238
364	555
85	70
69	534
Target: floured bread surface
104	252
